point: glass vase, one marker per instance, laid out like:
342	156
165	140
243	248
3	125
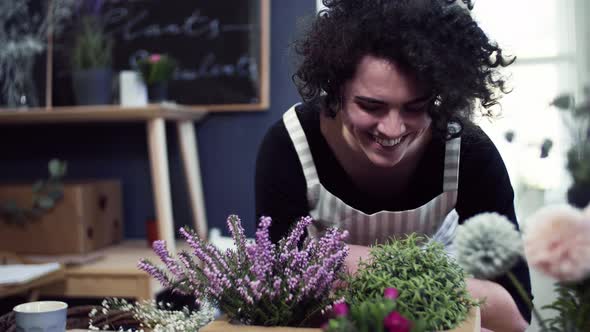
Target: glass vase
19	87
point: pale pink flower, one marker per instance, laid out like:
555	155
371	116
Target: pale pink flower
587	212
557	242
154	58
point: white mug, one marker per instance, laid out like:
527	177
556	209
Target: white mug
132	89
42	316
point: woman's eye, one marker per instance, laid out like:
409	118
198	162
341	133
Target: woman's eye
415	108
369	107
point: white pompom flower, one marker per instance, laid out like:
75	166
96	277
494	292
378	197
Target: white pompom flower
487	245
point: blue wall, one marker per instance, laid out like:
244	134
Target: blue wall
227	146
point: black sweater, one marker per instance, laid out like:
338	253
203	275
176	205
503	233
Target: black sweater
484	185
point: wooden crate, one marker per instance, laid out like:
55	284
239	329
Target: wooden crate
472	324
89	217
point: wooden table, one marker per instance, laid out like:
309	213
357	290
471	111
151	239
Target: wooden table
33	287
155	117
115	275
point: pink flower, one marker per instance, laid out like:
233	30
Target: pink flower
394	322
340	309
391	293
154	58
557	242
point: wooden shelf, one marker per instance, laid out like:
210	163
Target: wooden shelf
100	113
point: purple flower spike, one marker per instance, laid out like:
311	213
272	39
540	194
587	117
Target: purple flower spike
251	279
340	309
391	293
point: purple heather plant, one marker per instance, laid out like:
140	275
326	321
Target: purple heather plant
260	283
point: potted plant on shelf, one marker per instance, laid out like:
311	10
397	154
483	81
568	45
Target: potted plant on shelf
91	60
157	70
577	120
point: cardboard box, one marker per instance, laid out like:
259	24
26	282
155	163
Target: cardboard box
472	324
88	217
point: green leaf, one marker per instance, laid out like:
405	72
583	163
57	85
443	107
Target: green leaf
563	101
38	186
56	194
10	206
57	168
45	202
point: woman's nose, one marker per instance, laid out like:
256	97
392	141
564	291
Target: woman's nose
391	125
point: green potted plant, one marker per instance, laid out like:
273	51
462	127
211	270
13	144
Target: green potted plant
577	119
432	287
157	70
91	62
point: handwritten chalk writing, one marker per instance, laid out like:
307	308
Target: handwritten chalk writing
208	67
196	25
217	44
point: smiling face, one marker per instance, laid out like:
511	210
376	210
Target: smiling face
384	112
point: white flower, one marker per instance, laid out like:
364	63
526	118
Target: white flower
487	245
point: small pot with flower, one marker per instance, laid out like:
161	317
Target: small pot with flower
157	70
576	117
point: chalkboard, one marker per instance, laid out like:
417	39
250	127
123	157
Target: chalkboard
221	47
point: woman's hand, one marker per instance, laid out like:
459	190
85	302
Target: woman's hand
499	311
355	254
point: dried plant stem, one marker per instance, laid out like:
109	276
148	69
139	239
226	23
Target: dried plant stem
527	300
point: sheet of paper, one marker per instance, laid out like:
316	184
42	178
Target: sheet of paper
23	273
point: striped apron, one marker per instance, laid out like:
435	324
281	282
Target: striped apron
436	219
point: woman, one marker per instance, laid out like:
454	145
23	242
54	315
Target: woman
383	144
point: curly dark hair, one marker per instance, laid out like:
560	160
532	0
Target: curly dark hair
437	40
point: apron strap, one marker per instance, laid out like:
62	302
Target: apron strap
299	140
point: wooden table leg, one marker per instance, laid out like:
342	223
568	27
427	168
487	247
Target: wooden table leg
161	180
190	157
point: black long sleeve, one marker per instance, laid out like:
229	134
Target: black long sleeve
484	185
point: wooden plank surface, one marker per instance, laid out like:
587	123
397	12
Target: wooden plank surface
120	259
100	113
115	275
116	113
